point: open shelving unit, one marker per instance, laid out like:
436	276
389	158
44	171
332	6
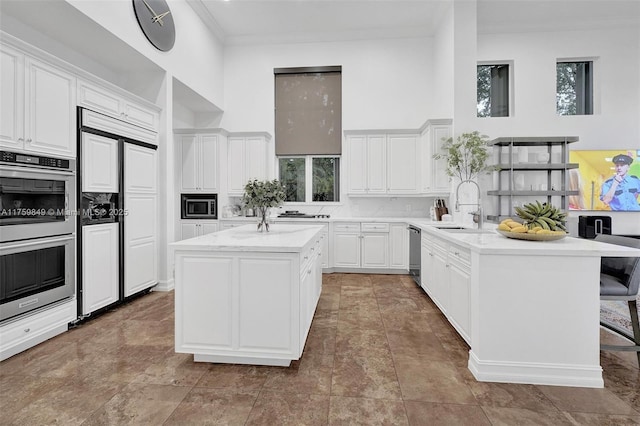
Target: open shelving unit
547	178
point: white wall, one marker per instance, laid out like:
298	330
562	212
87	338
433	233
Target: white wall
442	92
196	58
616	85
385	83
616	121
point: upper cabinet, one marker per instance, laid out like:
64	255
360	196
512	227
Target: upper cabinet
434	176
247	160
107	101
198	162
37	105
383	164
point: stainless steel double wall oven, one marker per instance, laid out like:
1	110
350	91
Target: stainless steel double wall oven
37	232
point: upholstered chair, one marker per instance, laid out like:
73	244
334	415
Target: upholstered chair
620	280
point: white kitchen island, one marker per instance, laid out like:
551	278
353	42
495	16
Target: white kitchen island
529	310
247	297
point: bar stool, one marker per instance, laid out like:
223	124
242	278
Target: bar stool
620	280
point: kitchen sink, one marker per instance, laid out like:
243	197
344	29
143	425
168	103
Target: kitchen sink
449	227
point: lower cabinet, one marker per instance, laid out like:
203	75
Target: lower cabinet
100	266
370	245
346	245
24	333
192	228
459	271
398	246
446	278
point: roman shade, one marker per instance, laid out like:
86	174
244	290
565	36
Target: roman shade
308	111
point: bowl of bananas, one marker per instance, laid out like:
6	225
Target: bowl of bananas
539	222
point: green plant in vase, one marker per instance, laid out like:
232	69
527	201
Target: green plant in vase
466	156
261	195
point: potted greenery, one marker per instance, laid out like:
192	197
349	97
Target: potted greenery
467	156
262	195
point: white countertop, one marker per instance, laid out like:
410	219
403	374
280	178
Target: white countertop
490	242
280	239
326	219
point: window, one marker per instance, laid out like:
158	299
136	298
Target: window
574	88
493	90
318	176
308	132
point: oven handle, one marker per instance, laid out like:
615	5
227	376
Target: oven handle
37	241
19	169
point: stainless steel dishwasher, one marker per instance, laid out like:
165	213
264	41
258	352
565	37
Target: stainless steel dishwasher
414	253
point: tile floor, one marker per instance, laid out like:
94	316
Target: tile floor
379	352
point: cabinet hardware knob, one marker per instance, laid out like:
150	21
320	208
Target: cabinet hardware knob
29	140
26	330
20	139
306	257
309	272
446	266
456	253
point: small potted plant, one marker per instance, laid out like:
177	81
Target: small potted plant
261	196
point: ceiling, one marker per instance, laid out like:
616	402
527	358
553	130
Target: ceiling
286	21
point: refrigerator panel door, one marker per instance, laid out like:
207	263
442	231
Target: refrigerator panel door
140	219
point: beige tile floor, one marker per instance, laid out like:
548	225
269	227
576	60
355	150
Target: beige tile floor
379	352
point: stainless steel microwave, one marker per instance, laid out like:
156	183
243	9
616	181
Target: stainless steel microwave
199	206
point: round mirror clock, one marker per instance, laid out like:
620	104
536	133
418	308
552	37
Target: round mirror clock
156	22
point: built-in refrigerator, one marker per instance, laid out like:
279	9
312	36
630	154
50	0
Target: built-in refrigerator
117	221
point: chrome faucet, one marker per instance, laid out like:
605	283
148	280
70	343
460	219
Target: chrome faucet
477	215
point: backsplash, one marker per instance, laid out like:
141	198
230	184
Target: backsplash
365	207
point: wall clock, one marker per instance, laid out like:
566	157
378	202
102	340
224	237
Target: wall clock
156	22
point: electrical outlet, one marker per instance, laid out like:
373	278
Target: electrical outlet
407	207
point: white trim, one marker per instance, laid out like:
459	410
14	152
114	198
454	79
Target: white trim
535	373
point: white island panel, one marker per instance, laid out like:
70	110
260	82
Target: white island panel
267	295
209	299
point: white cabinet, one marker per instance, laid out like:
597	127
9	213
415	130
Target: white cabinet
199	163
375	245
382	164
141	218
446	278
366	164
459	271
29	330
434	177
108	102
398	246
99	164
247	160
100	266
192	228
346	245
371	245
403	166
38	106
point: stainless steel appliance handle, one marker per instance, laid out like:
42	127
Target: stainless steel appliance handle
37	242
37	170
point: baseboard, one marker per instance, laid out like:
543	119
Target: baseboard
365	271
536	373
165	285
